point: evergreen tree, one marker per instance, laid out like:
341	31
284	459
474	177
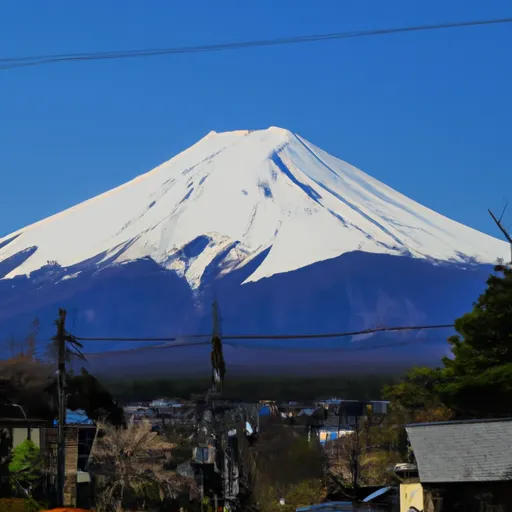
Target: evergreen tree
476	382
86	392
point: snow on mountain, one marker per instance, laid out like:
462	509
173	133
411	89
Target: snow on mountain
233	195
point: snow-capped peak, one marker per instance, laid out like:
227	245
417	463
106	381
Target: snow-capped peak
235	194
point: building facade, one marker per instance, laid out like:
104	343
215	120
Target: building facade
463	465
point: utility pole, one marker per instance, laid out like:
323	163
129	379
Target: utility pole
355	461
503	230
217	357
60	338
202	489
217	409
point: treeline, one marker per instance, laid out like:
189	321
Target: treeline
361	387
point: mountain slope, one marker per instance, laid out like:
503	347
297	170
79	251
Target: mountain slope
286	237
232	196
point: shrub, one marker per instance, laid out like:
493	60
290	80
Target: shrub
25	465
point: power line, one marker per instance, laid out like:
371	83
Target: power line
333	335
152	347
15	62
272	336
343	348
150	340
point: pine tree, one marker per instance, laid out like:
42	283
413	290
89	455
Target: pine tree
477	380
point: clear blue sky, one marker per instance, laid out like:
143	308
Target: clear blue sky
427	113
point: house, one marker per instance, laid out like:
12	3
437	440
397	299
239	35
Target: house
330	404
332	432
267	408
462	465
293	409
350	411
18	430
411	497
17	427
80	434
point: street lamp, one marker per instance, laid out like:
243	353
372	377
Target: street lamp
21	409
26	419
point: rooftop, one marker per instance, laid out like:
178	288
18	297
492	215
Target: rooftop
463	451
23	421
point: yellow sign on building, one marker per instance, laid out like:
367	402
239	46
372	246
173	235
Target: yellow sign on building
411	497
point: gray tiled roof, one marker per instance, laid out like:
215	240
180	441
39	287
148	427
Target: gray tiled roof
465	451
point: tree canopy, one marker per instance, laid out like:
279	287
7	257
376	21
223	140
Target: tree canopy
25	465
31	382
476	381
86	392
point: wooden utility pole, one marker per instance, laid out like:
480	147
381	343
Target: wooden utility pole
217	357
60	338
503	230
355	461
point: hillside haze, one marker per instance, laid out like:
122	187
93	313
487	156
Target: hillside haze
286	237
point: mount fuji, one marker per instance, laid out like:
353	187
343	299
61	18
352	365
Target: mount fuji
287	238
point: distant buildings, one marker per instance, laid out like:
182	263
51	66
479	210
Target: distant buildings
160	411
341	417
331	433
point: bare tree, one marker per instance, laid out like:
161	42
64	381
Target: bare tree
363	456
499	223
130	467
284	465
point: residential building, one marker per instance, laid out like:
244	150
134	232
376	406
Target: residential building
80	434
411	496
18	430
17	427
293	409
332	432
268	408
462	465
350	412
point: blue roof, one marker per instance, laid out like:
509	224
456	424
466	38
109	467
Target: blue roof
376	494
77	417
264	411
332	506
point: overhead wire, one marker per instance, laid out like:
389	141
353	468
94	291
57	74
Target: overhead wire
37	60
170	342
342	348
151	347
270	336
